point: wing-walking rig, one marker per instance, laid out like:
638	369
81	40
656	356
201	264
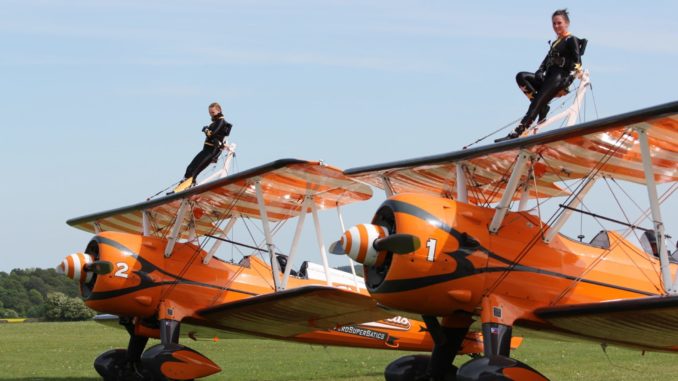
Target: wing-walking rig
456	243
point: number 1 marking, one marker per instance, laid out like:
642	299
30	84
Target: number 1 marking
431	244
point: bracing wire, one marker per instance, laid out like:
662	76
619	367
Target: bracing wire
621	208
199	247
492	133
528	247
171	186
595	106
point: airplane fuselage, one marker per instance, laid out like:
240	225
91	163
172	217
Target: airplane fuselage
461	265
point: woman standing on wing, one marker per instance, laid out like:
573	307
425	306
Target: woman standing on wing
554	75
215	134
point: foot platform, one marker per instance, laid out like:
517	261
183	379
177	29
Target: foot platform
183	185
510	136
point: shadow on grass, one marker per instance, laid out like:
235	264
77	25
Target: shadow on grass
353	377
50	378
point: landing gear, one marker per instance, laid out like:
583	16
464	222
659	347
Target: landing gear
496	365
114	365
168	360
171	360
124	364
438	366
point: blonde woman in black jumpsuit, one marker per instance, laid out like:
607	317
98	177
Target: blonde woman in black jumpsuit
215	134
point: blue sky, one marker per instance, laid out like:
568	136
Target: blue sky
102	101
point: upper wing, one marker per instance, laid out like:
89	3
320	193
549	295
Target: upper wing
562	154
648	323
291	312
284	183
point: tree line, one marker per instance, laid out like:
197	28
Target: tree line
41	294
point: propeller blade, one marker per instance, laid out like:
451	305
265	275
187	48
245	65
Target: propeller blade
337	248
398	243
99	267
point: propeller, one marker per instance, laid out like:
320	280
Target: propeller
337	248
399	243
368	244
82	267
99	267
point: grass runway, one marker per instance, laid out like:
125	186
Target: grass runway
66	351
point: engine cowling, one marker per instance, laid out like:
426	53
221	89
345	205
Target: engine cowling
112	275
425	264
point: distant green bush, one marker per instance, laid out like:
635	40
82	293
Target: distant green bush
60	307
6	313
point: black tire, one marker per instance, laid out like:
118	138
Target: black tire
113	365
408	368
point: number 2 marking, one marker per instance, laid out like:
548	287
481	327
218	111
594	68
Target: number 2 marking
122	270
431	244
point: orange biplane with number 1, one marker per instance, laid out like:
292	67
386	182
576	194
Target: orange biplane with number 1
457	253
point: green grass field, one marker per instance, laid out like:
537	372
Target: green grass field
66	351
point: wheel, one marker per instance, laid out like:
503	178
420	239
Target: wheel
115	366
408	368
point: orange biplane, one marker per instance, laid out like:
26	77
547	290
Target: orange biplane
458	252
149	264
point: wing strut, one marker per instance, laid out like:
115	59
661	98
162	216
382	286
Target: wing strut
669	286
176	229
388	187
321	244
350	261
145	222
525	191
267	233
295	242
518	170
462	192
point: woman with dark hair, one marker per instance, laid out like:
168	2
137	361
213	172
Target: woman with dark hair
554	75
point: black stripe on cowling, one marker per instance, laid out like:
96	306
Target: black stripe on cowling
146	281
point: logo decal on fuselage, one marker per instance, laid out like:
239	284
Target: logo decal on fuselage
356	330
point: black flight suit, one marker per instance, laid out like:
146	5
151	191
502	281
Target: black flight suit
215	134
553	75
